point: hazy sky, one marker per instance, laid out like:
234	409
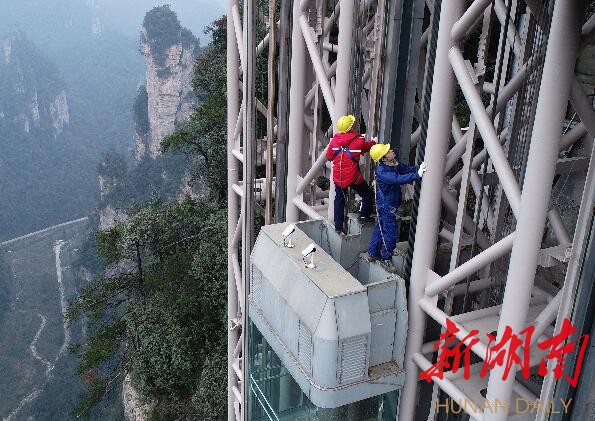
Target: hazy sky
194	14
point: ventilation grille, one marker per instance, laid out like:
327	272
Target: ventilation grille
305	348
353	359
256	287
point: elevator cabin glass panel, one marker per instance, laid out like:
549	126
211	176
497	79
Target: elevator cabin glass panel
274	395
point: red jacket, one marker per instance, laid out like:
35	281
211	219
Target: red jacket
345	169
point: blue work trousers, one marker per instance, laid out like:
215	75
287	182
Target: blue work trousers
366	194
385	234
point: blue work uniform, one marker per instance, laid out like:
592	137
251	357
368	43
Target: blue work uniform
389	180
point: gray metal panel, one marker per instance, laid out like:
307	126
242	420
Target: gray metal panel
289	328
330	278
401	324
350	253
353	315
305	348
326	343
256	286
353	355
383	336
307	301
281	317
323	234
288	279
381	295
353	323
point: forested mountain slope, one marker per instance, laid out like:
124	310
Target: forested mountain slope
46	171
37	278
159	310
49	177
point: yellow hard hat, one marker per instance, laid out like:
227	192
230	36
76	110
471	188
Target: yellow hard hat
379	150
345	123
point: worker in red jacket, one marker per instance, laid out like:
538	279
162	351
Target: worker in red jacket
344	150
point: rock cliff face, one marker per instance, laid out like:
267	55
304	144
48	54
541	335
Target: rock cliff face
169	51
134	409
112	173
32	95
110	216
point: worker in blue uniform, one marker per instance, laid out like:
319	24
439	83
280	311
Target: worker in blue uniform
390	176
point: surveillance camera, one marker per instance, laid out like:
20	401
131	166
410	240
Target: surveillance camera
309	250
288	231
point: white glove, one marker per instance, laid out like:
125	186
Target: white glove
374	138
422	169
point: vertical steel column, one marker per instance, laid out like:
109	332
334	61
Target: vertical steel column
439	127
344	58
391	64
296	112
249	167
343	77
233	108
574	298
403	53
558	71
410	86
282	113
268	215
378	70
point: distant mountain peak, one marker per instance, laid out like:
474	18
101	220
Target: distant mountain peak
161	30
168	99
32	94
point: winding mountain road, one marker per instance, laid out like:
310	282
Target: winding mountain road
49	366
48	369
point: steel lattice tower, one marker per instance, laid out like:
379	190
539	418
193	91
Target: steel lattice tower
500	226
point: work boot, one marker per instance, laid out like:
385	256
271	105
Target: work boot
388	266
371	257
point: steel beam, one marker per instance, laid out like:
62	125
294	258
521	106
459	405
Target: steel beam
446	384
321	77
268	215
469	19
344	59
249	171
487	130
582	106
296	112
439	125
343	77
239	33
471	266
233	108
282	113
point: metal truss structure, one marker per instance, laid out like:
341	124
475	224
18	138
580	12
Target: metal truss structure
495	241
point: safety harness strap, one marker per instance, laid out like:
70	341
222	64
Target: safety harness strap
342	149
